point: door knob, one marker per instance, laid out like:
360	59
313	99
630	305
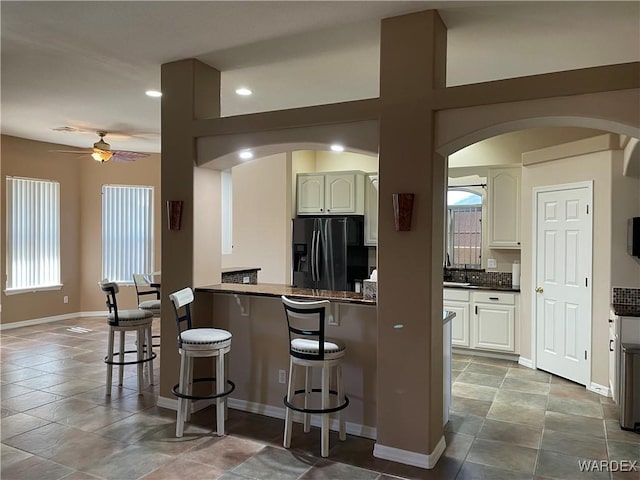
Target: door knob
539	289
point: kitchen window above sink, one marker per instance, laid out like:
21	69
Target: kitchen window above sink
464	228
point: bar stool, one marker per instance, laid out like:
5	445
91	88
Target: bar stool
127	321
199	342
309	348
152	305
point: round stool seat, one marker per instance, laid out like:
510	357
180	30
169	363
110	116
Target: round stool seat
131	318
332	348
205	338
150	305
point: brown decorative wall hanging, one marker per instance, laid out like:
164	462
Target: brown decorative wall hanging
174	214
402	209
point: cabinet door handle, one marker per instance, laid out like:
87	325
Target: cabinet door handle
494	298
476	309
611	345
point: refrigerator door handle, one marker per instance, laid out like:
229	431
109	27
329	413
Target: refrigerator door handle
317	255
313	259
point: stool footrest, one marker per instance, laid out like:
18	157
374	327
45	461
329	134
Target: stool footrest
231	388
132	362
316	410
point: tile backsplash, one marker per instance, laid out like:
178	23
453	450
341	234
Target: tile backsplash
625	296
477	277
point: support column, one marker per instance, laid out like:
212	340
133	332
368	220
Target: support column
412	65
190	91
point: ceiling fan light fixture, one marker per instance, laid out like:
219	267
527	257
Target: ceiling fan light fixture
101	155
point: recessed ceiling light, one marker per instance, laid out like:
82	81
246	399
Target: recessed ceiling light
246	154
153	93
337	148
243	91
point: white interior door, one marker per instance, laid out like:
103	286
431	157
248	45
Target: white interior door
563	281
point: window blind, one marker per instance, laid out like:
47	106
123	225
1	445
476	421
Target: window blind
33	234
127	232
465	235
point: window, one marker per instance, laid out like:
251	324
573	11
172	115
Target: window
33	235
127	232
227	212
464	228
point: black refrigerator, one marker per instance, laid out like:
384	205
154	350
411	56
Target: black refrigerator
328	252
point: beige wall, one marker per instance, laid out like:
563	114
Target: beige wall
507	148
328	161
81	181
625	203
207	241
594	167
261	219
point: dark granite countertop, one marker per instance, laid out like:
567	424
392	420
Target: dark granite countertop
501	288
447	316
277	290
625	310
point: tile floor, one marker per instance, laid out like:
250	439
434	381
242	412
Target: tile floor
507	422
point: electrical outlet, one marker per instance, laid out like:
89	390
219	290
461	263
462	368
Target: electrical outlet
65	299
246	279
492	263
282	376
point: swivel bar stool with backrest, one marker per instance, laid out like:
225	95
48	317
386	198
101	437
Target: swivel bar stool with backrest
199	342
152	305
309	348
127	321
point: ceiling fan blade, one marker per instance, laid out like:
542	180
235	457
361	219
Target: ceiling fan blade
127	156
72	151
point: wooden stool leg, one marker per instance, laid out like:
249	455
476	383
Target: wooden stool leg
121	357
150	353
140	349
181	401
220	401
110	359
343	429
189	382
326	376
288	418
307	393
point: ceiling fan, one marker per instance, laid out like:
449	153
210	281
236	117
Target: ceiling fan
101	152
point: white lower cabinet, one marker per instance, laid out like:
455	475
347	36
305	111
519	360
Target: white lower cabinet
486	320
458	301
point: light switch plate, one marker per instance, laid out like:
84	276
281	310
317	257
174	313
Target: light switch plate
492	263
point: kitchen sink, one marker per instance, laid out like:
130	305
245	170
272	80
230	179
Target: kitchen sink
456	284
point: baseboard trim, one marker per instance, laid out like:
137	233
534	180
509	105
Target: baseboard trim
477	353
273	412
54	318
410	458
525	362
599	389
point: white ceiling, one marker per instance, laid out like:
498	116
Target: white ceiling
88	64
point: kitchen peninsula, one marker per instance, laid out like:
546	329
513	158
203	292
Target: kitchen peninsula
259	356
260	353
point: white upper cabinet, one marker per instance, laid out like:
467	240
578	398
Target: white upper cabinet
504	207
371	209
310	193
339	193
